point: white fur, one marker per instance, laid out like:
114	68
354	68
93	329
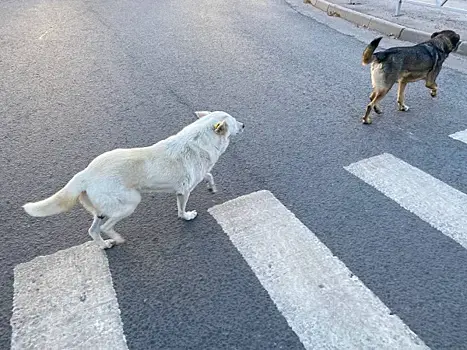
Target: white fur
112	184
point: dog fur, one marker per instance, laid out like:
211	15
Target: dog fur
406	64
111	185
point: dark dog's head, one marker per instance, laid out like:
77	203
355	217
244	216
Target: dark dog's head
446	40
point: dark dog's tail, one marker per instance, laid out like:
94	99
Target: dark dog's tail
368	52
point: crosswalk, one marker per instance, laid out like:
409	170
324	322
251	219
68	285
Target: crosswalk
66	299
460	136
323	302
430	199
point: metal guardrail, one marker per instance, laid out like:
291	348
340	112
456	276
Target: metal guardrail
438	4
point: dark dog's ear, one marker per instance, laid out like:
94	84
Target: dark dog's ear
434	34
220	128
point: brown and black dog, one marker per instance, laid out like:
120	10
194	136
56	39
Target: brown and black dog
406	64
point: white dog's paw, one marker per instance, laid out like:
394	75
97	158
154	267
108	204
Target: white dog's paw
212	188
114	236
118	239
189	215
108	243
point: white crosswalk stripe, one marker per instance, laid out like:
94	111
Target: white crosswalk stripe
435	202
460	136
323	304
66	301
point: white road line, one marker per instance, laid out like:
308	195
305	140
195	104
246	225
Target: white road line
460	136
322	303
66	301
435	202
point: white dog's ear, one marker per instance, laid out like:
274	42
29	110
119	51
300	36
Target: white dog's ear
220	128
201	114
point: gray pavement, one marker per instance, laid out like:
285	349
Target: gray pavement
83	77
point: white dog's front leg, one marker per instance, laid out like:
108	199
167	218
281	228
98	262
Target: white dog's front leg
181	205
210	180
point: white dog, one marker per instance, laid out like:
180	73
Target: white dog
111	186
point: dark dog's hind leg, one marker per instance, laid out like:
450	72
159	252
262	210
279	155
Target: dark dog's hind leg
376	108
433	87
377	96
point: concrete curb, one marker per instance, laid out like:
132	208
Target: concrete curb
414	35
385	27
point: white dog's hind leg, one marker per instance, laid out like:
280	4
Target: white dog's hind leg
108	229
95	232
211	184
116	204
131	200
181	205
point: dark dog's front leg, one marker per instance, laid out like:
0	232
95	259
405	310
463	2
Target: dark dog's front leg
401	96
431	80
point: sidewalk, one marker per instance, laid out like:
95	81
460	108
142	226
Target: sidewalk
415	23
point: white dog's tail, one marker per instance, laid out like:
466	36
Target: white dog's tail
61	201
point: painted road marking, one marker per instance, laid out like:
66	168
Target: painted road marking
433	201
460	136
66	301
314	290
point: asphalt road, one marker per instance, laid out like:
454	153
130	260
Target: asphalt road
78	78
